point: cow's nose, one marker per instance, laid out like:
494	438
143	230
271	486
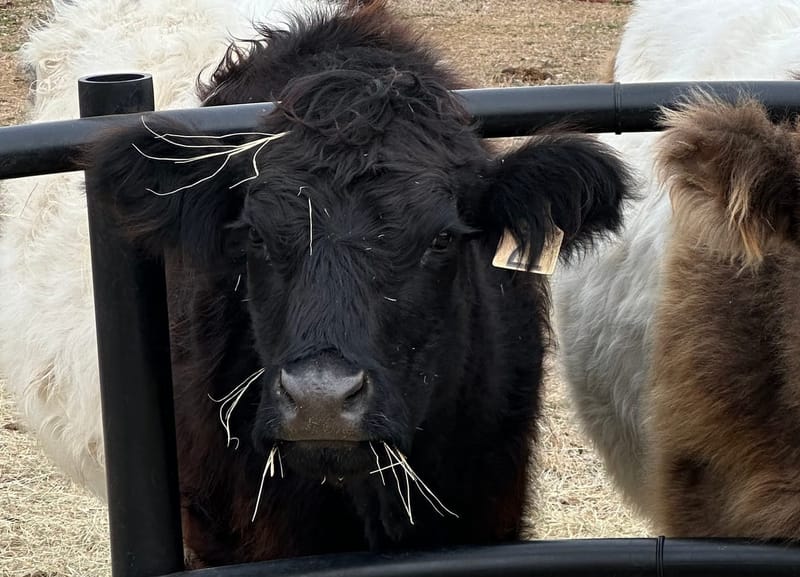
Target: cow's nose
323	399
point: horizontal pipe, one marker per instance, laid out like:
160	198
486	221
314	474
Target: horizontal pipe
657	557
54	146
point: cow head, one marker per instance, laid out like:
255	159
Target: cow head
358	215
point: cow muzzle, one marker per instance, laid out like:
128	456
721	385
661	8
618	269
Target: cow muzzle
323	398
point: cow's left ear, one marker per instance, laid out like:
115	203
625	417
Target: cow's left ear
568	180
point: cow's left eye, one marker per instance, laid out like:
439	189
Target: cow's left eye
255	238
442	240
257	243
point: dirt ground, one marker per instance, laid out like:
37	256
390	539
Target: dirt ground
50	528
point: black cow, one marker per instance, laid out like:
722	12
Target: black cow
338	266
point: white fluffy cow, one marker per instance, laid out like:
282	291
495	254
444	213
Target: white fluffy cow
48	354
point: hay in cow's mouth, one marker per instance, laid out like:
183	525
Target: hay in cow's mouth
269	466
395	459
332	455
398	459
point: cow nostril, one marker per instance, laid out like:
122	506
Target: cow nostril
283	391
358	387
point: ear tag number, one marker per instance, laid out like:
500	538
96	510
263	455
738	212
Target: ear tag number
510	256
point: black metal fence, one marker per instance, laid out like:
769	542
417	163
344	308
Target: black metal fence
135	370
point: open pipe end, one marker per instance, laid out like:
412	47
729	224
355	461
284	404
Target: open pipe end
118	93
114	78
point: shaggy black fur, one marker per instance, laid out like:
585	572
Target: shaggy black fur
407	209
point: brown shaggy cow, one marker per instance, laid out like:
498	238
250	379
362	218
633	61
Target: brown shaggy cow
724	398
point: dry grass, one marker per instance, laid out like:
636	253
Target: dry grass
50	528
15	15
513	42
574	498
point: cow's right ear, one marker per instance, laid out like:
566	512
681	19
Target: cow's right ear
160	192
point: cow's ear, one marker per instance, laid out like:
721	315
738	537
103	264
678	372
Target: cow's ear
570	181
161	194
732	175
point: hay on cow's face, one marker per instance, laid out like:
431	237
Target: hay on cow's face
227	150
229	402
310	220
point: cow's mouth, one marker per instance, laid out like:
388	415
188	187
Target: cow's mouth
329	460
338	463
335	461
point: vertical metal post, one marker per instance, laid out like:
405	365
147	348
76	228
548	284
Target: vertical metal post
135	368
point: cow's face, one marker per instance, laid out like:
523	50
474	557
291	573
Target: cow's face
350	312
357	226
350	254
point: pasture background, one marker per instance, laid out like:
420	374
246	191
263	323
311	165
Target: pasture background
51	528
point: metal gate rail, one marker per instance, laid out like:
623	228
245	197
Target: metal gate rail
50	147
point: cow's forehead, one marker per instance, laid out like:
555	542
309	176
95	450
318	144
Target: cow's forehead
404	141
386	202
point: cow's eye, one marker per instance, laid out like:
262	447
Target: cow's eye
255	238
257	243
442	240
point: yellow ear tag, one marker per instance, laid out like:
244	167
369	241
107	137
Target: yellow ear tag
510	256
